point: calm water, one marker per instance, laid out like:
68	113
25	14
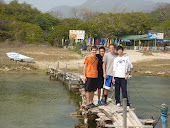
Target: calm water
156	90
33	101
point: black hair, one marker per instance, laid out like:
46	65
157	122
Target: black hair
119	47
94	47
102	48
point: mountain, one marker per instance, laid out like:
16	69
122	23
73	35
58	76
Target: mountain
114	6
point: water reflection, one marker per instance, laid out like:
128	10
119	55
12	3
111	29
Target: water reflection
33	101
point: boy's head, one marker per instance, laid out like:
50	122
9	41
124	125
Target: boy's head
111	48
102	51
94	50
119	50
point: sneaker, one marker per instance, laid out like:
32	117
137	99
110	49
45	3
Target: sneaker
99	103
128	107
102	100
118	104
105	103
88	106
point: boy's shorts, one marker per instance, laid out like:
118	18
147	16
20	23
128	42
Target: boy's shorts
91	85
108	82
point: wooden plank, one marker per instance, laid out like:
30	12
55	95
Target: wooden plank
133	115
129	126
107	114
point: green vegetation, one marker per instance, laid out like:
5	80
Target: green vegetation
25	24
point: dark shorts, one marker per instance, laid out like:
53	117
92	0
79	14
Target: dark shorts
91	85
100	82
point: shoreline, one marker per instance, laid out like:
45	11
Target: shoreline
145	64
137	71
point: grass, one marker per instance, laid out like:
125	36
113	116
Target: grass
149	53
39	53
7	64
158	67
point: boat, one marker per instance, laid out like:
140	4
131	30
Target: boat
19	57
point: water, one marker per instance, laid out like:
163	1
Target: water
33	101
154	90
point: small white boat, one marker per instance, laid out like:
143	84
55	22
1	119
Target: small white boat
19	57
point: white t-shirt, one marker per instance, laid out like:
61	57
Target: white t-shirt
121	66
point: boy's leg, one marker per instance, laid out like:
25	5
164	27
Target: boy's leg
105	95
91	97
99	93
107	86
88	97
124	90
117	90
88	90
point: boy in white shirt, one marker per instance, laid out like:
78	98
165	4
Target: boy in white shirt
121	71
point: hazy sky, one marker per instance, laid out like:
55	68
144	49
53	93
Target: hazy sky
45	5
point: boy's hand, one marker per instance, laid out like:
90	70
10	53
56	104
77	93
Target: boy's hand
125	55
85	57
105	76
113	81
127	76
84	78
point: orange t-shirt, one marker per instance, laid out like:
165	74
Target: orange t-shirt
92	62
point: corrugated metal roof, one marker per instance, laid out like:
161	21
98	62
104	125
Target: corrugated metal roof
135	37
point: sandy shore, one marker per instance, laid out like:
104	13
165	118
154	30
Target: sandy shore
135	56
156	63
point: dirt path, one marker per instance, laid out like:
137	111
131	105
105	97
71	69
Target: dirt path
136	56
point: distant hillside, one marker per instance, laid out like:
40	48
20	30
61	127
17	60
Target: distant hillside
109	6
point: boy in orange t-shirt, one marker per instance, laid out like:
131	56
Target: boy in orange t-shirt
90	72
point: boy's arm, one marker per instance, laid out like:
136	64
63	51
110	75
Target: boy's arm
104	66
131	67
84	72
114	68
127	76
113	79
104	70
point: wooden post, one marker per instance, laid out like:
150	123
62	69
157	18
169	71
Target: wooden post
69	85
66	68
63	79
57	76
50	76
85	118
125	113
78	67
58	63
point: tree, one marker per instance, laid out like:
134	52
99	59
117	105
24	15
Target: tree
162	12
75	12
56	14
62	30
46	21
138	22
32	32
